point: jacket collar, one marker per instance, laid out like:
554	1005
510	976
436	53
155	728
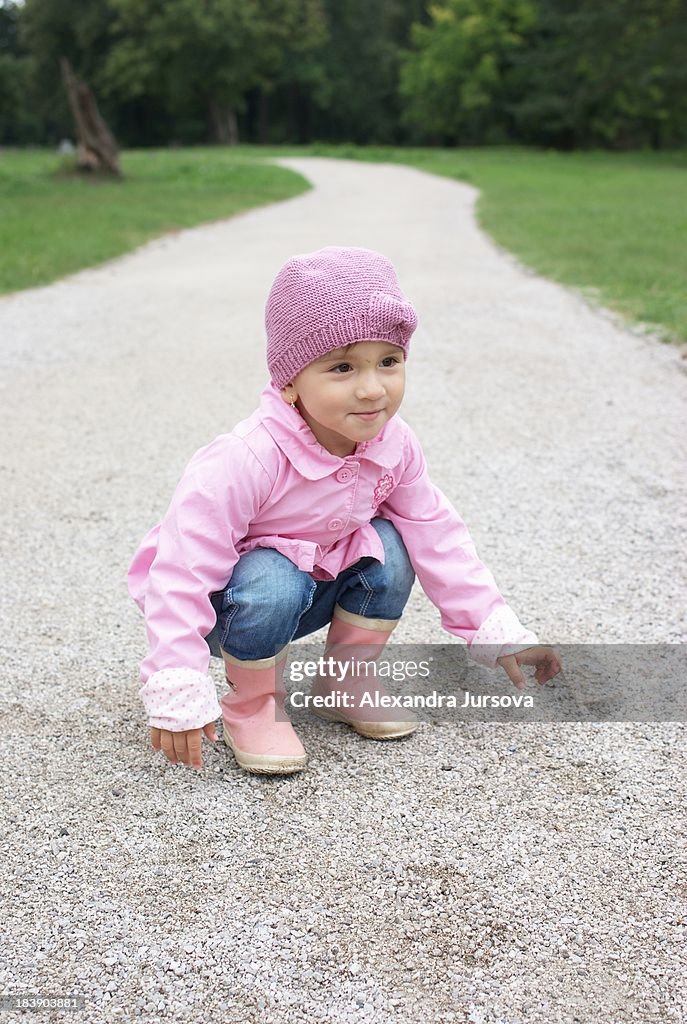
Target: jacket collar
304	451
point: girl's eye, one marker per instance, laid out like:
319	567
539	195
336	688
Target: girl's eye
389	361
342	366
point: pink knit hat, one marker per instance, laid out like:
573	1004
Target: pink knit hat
326	299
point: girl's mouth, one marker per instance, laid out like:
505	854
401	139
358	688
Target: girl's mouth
368	415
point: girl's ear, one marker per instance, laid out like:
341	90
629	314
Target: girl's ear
289	394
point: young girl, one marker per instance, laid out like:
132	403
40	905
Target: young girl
317	509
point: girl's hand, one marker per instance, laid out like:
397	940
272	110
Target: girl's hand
545	658
183	746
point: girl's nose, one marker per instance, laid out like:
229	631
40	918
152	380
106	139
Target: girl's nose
370	387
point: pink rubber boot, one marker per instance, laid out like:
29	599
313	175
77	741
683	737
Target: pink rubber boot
353	639
256	696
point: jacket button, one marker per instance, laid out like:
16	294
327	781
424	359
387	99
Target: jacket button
335	524
344	475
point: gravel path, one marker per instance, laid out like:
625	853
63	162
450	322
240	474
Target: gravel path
482	873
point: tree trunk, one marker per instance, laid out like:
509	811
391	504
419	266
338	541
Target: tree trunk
292	112
263	132
298	112
97	149
223	123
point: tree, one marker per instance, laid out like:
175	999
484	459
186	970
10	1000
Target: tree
187	70
197	55
97	149
293	76
454	79
360	58
604	74
50	30
17	123
338	73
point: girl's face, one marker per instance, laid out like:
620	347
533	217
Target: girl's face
347	395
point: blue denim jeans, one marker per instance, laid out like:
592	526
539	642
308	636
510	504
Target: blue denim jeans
269	601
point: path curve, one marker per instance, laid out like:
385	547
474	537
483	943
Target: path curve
521	892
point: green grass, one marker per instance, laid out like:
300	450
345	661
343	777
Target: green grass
53	223
613	225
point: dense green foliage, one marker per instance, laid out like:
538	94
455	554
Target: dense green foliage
561	73
456	79
558	72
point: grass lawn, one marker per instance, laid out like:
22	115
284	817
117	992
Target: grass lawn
52	224
612	224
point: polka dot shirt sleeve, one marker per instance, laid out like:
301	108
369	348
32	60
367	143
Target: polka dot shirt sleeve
180	698
501	633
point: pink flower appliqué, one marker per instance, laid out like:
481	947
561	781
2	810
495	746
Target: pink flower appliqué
382	490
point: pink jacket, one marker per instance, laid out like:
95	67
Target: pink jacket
269	483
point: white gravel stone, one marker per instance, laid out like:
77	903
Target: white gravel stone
485	872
